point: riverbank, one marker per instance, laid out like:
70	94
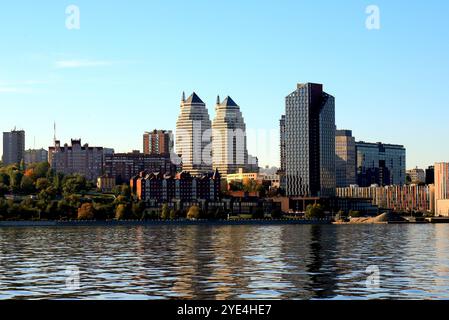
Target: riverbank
112	223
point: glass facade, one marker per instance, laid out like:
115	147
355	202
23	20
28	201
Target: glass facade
382	164
310	142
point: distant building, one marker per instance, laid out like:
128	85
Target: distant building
345	163
123	166
416	176
158	142
161	188
442	189
13	147
106	183
405	198
310	142
77	159
379	163
35	156
430	175
193	136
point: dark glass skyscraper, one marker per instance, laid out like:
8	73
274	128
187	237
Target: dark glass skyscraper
310	142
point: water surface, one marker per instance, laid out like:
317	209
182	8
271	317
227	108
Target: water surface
226	262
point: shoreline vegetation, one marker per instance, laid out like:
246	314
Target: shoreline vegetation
35	195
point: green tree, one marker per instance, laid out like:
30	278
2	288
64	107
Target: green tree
4	178
120	212
27	185
354	214
138	208
194	213
15	178
4	189
126	191
165	213
42	184
74	184
315	211
86	212
172	214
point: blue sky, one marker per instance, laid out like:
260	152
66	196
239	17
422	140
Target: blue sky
123	72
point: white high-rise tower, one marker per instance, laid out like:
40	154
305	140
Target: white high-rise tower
193	136
229	138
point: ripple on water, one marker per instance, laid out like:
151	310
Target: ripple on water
224	262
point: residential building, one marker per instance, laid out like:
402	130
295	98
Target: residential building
345	162
193	136
404	198
13	147
416	176
310	142
379	163
229	147
76	159
123	166
158	142
159	188
442	189
35	156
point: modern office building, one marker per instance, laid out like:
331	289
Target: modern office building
381	164
35	156
158	142
229	139
13	147
442	189
123	166
416	176
194	135
310	142
77	159
345	162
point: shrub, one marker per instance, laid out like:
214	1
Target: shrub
86	212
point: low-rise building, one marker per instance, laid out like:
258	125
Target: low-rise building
161	188
405	198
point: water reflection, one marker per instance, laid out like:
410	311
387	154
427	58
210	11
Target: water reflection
226	262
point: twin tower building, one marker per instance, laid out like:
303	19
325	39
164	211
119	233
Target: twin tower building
206	145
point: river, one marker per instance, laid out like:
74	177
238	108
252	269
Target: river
225	262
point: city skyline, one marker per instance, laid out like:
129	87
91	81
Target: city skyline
91	84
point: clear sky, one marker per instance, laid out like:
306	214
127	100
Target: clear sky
123	72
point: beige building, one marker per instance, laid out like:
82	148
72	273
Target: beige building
193	136
416	175
76	159
229	147
442	189
345	162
